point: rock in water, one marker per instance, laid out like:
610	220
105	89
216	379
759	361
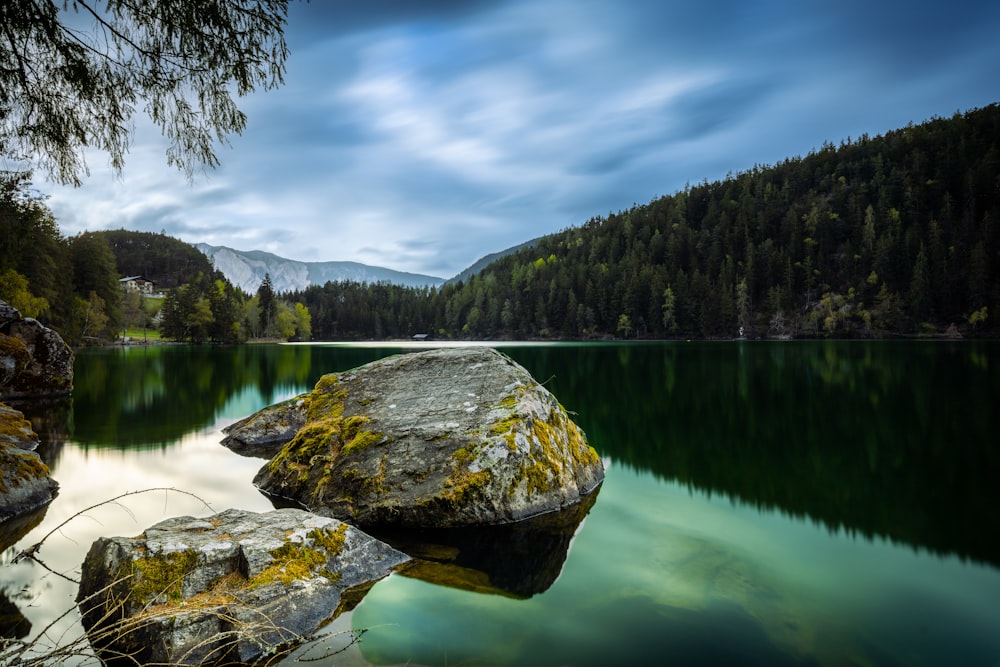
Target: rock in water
25	482
34	360
232	588
451	437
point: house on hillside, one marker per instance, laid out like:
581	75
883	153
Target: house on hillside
137	284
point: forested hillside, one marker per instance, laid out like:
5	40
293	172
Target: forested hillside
68	283
167	261
879	236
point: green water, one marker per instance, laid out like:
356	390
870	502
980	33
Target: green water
795	503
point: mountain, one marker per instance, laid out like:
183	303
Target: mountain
246	270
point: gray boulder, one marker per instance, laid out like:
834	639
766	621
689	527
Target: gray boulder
25	482
451	437
34	360
236	587
264	433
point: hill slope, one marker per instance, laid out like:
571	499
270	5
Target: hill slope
879	236
166	260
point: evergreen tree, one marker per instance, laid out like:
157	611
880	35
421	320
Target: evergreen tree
94	273
268	306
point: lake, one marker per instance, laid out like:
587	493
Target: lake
766	503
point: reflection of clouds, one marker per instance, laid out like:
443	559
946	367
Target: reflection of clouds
86	477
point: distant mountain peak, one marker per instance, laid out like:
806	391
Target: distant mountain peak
246	269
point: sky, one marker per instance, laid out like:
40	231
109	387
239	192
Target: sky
421	136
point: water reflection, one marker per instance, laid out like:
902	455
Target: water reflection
881	439
517	560
13	624
161	393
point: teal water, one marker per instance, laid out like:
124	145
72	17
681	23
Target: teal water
787	503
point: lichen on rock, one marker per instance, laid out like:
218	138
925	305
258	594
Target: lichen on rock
230	588
452	437
25	482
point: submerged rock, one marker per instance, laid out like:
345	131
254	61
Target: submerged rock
231	588
516	560
452	437
25	482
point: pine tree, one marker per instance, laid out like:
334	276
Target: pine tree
268	306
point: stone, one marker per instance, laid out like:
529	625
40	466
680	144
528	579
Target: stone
34	359
236	587
442	438
264	433
25	481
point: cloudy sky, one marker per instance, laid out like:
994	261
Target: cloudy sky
421	136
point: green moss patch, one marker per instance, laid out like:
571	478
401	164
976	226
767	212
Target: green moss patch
545	467
17	467
326	434
303	560
160	579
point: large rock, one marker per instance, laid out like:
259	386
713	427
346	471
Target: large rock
25	483
34	360
453	437
232	588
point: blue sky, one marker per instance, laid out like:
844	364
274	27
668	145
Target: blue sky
421	136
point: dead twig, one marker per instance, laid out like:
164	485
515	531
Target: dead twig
30	551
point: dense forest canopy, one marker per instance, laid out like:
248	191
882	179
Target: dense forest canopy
74	284
879	236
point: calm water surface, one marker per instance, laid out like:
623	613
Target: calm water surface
797	503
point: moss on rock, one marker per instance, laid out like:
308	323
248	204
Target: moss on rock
18	466
299	560
159	578
440	438
224	590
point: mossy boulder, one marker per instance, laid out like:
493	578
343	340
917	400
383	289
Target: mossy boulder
236	587
450	437
34	360
25	482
